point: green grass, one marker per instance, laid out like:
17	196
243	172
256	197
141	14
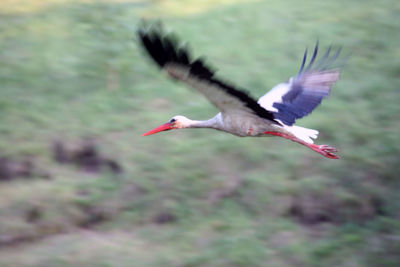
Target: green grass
74	69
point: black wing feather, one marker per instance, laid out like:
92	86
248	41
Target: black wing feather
164	50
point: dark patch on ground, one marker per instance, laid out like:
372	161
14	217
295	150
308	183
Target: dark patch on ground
94	215
312	209
33	215
164	217
12	168
7	241
86	157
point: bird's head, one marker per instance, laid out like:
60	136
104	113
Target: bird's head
177	122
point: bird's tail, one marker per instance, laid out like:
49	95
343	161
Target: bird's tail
305	134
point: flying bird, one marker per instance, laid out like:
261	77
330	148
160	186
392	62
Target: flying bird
274	114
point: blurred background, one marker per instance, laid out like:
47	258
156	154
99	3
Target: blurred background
80	186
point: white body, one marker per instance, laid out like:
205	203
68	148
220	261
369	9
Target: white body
247	125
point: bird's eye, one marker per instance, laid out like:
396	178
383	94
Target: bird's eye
172	120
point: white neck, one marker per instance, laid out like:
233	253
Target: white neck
215	123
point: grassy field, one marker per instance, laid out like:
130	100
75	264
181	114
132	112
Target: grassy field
73	71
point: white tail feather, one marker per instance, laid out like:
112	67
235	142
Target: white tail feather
302	133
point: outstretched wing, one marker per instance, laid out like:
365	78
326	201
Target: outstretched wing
177	62
303	93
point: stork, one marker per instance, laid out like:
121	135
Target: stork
274	114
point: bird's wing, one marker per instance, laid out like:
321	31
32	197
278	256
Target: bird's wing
303	93
177	62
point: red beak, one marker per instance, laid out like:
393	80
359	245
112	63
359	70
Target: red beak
162	127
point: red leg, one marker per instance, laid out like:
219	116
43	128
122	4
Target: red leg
324	150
